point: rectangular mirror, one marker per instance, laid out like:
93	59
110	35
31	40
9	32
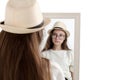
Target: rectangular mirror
72	21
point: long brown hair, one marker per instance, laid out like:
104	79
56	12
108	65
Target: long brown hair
49	44
20	59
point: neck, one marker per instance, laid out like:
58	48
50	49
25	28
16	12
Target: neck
57	48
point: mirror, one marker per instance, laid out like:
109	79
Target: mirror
72	21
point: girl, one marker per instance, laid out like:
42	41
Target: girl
56	49
19	44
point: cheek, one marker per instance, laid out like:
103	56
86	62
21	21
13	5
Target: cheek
62	41
54	41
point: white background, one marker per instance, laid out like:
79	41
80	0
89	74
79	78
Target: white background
99	35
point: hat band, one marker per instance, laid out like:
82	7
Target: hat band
2	22
58	28
38	26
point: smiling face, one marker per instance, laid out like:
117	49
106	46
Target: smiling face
58	36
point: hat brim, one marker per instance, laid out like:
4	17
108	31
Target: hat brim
67	32
19	30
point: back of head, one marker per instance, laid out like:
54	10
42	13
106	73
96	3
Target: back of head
19	57
19	42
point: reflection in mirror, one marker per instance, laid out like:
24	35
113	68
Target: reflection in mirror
69	26
64	59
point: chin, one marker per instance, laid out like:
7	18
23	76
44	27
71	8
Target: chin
57	44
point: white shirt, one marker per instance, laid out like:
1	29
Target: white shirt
56	72
64	58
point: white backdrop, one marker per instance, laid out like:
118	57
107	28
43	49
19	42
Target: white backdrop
99	35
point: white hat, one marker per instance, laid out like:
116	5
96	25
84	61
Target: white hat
60	25
23	16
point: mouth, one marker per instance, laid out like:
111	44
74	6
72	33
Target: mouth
57	41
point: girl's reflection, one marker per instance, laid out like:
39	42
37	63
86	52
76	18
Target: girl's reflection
56	49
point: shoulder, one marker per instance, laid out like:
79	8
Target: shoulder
70	52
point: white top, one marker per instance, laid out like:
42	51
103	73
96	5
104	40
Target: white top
56	72
64	58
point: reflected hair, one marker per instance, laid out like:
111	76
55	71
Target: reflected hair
49	43
20	57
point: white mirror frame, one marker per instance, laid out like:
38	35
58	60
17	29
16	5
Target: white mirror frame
76	17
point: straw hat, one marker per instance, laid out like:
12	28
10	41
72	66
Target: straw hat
23	16
59	25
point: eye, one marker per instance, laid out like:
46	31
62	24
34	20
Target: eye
61	35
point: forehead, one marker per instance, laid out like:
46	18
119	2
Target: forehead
58	31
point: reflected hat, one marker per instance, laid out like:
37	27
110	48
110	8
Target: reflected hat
23	16
59	25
